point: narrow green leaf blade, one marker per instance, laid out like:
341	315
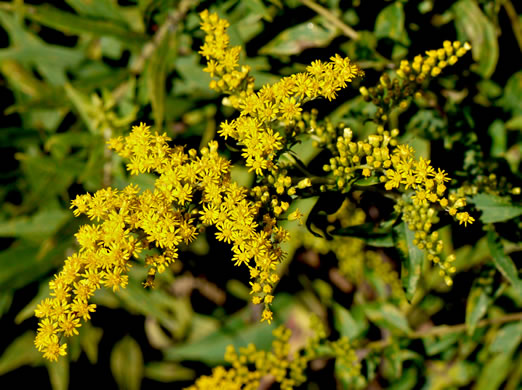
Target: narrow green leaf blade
476	307
508	338
411	269
503	262
494	208
127	364
20	352
388	316
59	373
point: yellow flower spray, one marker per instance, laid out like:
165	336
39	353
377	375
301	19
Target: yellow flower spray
131	222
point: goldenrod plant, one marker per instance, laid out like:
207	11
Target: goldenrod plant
325	209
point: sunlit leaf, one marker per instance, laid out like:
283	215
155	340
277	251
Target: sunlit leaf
388	316
494	372
314	33
476	307
390	23
494	208
508	338
474	26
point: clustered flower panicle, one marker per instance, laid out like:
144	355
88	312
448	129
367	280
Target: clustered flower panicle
262	112
282	364
194	191
157	219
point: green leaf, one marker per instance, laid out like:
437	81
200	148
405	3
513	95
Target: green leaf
344	322
23	80
193	79
157	75
510	100
411	267
388	316
367	181
494	372
28	310
498	134
392	362
90	337
19	353
25	262
503	262
474	26
390	23
294	40
476	307
328	203
380	237
514	123
494	208
127	364
70	23
507	338
434	346
173	313
39	226
101	9
168	372
236	331
6	298
51	61
59	373
84	106
408	381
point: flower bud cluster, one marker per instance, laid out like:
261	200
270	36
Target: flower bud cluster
420	219
361	158
396	91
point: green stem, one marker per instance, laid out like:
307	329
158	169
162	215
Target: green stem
347	30
515	24
447	329
170	24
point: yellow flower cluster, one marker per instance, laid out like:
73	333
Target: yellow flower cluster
260	113
103	259
157	220
286	368
395	91
222	60
282	364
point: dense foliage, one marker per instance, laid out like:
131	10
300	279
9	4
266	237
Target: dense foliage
267	194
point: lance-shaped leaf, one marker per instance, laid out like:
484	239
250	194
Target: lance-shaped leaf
503	262
494	208
412	264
